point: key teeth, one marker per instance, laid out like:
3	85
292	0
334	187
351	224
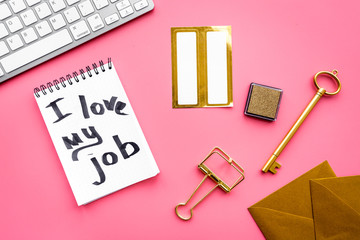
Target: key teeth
273	166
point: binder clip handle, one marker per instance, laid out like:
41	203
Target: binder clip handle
191	209
178	214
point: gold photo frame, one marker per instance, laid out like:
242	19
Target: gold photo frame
206	70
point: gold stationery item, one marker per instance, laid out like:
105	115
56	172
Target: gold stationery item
219	182
263	102
271	164
201	67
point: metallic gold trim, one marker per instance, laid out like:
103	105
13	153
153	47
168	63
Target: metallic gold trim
201	46
219	182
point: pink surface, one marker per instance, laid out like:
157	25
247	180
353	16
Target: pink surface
278	43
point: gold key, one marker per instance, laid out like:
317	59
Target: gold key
271	164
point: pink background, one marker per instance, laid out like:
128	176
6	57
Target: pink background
279	43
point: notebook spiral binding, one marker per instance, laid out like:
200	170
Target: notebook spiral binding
68	78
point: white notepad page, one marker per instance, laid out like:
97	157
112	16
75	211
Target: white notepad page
96	135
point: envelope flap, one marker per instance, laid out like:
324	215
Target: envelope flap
335	214
294	198
282	226
346	188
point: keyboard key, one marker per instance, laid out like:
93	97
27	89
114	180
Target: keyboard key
4	11
43	28
95	22
57	21
57	5
14	24
99	4
86	8
79	30
3	49
32	2
122	4
112	18
1	72
29	35
15	42
36	50
71	15
71	2
3	31
43	10
126	12
17	5
28	17
140	5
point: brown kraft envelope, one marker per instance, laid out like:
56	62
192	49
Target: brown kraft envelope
316	205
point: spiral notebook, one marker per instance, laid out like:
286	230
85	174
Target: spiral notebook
95	132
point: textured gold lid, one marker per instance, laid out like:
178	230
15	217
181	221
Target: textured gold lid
263	101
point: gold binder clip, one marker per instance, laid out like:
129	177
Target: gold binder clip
219	182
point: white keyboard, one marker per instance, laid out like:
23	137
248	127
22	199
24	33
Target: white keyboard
33	31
